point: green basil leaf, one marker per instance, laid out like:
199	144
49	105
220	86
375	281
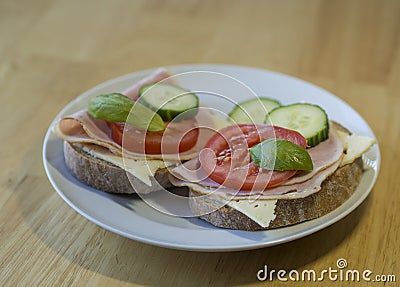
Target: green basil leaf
117	107
110	107
279	154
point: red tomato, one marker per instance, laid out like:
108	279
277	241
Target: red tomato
226	157
176	138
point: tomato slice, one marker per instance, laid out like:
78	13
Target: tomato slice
226	157
176	138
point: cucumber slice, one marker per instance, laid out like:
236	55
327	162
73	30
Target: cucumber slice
253	111
309	120
169	100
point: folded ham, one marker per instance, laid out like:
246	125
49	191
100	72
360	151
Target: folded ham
80	127
161	74
326	158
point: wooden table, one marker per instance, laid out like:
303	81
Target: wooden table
51	51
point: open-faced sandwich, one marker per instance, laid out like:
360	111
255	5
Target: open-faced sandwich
276	166
123	142
296	166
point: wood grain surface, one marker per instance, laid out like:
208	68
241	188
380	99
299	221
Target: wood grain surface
53	50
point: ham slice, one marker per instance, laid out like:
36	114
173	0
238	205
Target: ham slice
322	156
161	74
82	128
326	158
297	190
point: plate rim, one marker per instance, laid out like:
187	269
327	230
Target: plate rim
205	248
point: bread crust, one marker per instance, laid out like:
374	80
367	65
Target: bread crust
106	176
335	190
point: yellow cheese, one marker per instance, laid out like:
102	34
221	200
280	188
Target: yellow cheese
260	211
141	169
354	146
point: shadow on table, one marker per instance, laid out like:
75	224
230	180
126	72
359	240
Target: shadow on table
241	267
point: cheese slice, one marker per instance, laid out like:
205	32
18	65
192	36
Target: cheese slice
141	169
260	211
354	146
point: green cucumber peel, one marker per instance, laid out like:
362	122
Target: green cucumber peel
117	107
169	101
279	154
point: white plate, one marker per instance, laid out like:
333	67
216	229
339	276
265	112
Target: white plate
130	217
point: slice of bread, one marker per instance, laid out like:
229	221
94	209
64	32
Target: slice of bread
106	176
335	190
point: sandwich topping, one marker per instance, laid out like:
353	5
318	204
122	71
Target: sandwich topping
226	157
147	121
160	142
325	157
248	161
143	127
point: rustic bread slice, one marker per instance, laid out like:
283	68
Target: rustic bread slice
106	176
335	190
